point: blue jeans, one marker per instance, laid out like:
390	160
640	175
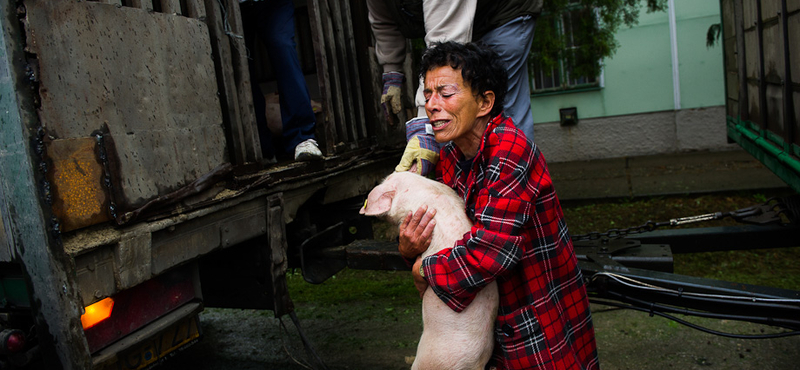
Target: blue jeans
273	22
513	42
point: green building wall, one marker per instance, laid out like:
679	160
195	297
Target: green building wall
639	77
643	107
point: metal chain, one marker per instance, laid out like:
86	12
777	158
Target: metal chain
768	212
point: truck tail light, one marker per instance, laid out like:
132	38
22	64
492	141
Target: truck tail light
12	341
97	312
125	312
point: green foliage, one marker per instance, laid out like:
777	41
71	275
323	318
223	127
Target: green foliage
713	34
592	36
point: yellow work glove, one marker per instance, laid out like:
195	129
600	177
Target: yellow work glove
422	151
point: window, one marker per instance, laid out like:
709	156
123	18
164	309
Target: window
558	75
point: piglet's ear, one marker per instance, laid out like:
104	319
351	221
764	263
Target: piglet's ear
379	200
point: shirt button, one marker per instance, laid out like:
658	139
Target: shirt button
507	330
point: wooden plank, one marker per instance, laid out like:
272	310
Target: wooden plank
348	122
133	260
334	76
26	219
147	76
229	97
195	9
171	6
142	4
241	73
278	258
352	63
323	76
80	197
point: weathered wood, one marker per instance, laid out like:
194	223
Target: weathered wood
196	9
323	76
147	76
790	119
133	259
171	6
76	177
229	97
27	222
142	4
334	75
241	75
348	122
279	261
353	64
112	2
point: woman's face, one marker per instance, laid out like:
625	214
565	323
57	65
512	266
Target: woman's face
454	108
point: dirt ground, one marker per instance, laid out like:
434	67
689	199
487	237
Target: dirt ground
372	319
375	334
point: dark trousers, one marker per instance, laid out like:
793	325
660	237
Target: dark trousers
273	22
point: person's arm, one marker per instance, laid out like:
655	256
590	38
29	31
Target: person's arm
504	208
390	44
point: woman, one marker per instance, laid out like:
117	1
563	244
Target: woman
519	237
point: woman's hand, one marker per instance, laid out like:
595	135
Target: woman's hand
419	282
416	232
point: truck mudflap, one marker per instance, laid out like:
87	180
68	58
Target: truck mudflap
154	343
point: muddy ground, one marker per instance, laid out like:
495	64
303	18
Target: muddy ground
373	334
371	319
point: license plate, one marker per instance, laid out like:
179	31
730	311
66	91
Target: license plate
154	351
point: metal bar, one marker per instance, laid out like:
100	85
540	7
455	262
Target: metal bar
722	238
692	292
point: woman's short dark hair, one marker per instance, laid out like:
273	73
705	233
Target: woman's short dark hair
480	67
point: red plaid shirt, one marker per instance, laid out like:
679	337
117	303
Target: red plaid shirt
520	240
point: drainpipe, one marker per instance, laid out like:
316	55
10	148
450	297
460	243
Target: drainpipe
673	41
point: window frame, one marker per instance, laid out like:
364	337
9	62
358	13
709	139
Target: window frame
562	73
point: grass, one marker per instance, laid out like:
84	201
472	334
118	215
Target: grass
770	267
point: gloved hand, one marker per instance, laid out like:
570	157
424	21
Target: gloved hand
422	151
390	97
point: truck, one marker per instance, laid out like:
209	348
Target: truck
134	190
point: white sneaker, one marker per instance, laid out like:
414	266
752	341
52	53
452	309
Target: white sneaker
307	151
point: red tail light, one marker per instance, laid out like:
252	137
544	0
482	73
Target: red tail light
97	312
12	341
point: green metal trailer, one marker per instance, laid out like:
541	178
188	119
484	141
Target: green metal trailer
761	43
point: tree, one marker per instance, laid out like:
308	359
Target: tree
592	25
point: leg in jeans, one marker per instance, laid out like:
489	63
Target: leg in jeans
276	31
249	22
513	42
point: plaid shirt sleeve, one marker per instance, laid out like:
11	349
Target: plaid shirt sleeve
505	186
